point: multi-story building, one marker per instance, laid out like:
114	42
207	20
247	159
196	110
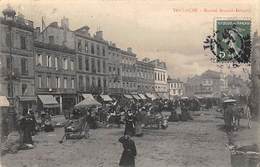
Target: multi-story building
55	66
16	59
115	82
92	58
175	87
208	84
160	78
128	70
255	68
145	76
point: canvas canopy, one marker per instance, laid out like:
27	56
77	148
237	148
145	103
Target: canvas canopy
151	96
87	103
106	97
136	97
128	96
4	102
48	101
142	96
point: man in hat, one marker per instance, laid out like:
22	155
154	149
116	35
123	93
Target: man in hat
128	156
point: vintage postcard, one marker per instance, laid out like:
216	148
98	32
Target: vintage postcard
130	83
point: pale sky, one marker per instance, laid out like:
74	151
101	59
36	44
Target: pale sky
172	30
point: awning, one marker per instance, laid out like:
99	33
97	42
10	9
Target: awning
151	96
128	96
27	98
136	97
142	96
48	101
106	98
86	96
87	103
4	102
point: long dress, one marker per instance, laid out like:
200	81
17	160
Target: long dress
128	156
138	127
129	126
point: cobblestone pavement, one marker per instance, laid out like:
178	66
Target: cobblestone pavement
197	143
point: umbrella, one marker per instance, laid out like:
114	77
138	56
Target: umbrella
230	101
87	103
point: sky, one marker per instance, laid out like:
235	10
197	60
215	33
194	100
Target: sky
171	30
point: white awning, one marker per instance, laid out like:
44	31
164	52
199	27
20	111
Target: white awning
106	98
4	102
151	96
136	97
128	96
86	96
142	96
48	101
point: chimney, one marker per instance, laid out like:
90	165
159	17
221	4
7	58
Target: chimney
37	32
129	50
99	35
65	23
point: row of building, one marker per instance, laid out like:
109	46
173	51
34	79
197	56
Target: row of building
64	64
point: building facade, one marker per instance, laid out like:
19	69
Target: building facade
129	71
255	69
115	81
17	73
145	76
92	59
208	84
160	78
176	88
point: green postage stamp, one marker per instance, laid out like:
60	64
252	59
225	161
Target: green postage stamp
233	40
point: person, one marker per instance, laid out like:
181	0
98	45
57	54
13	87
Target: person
138	127
248	115
129	124
129	153
25	130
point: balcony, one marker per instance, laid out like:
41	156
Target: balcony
10	74
56	90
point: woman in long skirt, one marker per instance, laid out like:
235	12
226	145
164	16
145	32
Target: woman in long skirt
128	156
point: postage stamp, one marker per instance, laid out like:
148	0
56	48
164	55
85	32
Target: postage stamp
230	41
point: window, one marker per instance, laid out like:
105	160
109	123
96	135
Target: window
24	89
40	81
80	63
155	76
65	83
104	83
98	50
23	42
92	48
48	61
10	90
8	39
98	65
104	66
72	83
51	39
57	82
110	68
56	63
65	63
81	87
71	65
103	51
93	81
39	59
86	46
99	82
87	64
79	46
87	81
48	82
93	67
24	66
